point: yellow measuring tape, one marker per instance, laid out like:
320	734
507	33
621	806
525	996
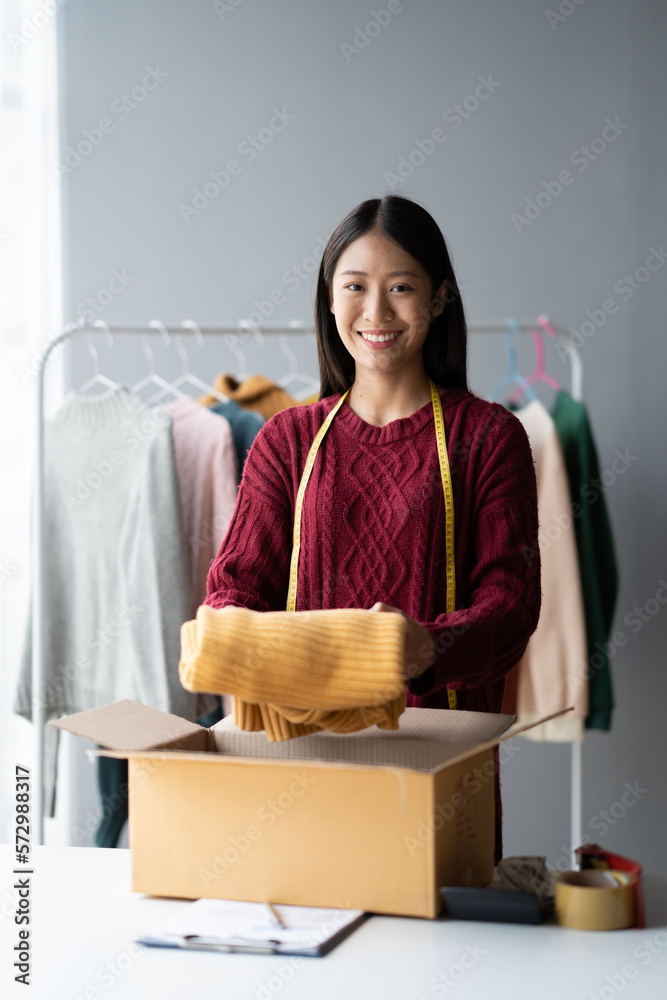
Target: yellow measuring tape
441	440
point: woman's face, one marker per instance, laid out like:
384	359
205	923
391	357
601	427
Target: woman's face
383	304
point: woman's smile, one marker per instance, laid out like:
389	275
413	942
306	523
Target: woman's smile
379	338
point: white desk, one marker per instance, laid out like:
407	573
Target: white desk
84	918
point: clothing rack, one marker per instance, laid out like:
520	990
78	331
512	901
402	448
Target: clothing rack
191	329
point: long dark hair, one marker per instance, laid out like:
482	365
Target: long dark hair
412	228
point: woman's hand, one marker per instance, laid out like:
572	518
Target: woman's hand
419	649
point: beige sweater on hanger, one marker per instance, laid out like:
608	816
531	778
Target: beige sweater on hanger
552	671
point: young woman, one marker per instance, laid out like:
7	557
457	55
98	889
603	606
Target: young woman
377	513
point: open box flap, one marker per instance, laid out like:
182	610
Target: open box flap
507	735
129	725
426	740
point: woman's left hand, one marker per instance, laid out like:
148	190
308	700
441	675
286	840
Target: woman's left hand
419	647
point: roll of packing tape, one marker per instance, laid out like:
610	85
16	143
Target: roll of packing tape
596	900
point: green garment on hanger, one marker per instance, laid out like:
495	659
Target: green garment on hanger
595	547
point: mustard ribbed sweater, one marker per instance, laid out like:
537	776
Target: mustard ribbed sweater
294	673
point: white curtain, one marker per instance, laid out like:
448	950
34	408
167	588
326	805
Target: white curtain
30	315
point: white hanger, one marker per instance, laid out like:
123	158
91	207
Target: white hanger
153	378
233	343
186	375
98	378
294	375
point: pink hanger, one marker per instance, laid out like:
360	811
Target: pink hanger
539	374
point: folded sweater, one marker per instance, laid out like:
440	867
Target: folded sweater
294	673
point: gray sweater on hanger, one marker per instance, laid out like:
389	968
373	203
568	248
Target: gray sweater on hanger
115	590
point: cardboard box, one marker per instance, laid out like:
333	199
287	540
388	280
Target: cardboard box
376	820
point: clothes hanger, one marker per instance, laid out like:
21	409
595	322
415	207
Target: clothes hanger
98	378
576	368
543	320
310	386
153	378
540	373
512	374
233	343
186	375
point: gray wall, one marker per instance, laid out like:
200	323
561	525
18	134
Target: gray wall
554	83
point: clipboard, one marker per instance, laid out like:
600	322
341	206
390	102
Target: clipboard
237	927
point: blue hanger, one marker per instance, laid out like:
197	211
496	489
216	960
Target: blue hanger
512	376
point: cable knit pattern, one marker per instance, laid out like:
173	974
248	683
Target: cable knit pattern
373	530
297	673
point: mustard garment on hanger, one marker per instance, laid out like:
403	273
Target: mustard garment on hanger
256	393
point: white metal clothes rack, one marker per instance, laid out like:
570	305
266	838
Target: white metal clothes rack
189	328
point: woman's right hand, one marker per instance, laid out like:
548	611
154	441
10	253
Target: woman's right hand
419	648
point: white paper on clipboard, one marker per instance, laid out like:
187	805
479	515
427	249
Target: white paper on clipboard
230	925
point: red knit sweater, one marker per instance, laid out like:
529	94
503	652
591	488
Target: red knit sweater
373	530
